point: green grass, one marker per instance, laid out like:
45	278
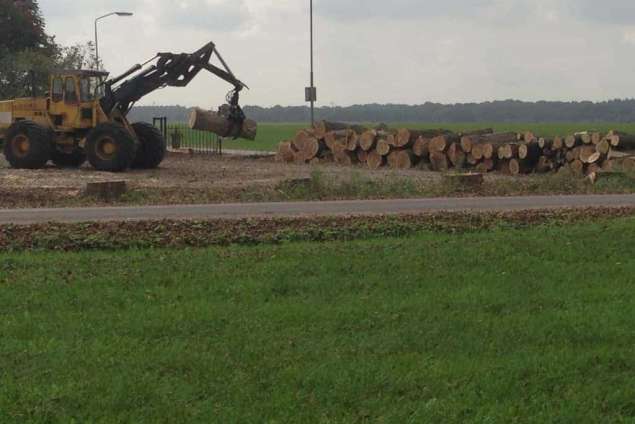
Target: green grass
526	325
270	135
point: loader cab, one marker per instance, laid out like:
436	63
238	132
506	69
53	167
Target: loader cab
74	98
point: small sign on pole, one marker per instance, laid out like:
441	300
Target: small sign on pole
310	94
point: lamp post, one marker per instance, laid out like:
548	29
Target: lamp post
96	40
311	92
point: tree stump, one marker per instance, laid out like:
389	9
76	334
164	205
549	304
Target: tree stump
470	180
109	190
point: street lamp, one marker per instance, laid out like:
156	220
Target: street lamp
97	20
311	92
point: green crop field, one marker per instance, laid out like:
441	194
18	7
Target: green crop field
499	326
270	135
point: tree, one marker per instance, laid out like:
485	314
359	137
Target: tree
22	27
27	53
78	56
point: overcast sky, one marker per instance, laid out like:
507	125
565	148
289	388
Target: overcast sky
367	51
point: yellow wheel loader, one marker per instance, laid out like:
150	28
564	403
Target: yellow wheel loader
83	116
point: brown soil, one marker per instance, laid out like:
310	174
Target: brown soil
180	179
185	179
124	235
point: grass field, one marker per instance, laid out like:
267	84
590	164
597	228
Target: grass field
523	325
270	135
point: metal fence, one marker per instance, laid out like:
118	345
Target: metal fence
180	137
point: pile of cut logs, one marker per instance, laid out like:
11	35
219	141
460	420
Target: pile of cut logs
584	153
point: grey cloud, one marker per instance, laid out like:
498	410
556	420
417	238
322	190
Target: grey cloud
607	11
228	15
403	9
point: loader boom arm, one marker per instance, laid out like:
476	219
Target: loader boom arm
170	70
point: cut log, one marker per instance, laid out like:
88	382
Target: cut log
572	141
298	157
323	127
313	148
216	123
529	137
336	137
628	164
401	159
508	151
486	166
585	137
593	168
621	140
439	161
577	167
517	167
604	147
471	133
442	143
353	141
500	138
421	148
558	143
286	153
596	138
490	150
345	157
502	166
456	155
573	154
545	143
375	160
529	152
362	156
477	151
471	160
468	141
589	154
383	147
406	137
544	165
608	165
368	140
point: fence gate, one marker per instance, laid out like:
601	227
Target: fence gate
181	138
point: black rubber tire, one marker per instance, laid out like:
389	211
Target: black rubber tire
124	148
74	159
38	152
152	146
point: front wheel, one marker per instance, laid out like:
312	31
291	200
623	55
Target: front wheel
110	148
152	146
27	145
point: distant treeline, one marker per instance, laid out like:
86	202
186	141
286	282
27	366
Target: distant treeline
499	112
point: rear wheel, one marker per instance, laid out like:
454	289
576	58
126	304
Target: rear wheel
152	146
110	148
68	158
27	145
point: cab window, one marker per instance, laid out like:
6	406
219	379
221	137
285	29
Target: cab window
57	91
90	88
70	93
85	94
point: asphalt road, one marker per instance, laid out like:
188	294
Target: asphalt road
374	207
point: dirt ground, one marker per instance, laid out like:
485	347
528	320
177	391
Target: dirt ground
185	179
180	179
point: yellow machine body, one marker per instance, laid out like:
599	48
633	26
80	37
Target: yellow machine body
70	109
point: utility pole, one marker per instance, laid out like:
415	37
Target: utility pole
311	92
96	40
